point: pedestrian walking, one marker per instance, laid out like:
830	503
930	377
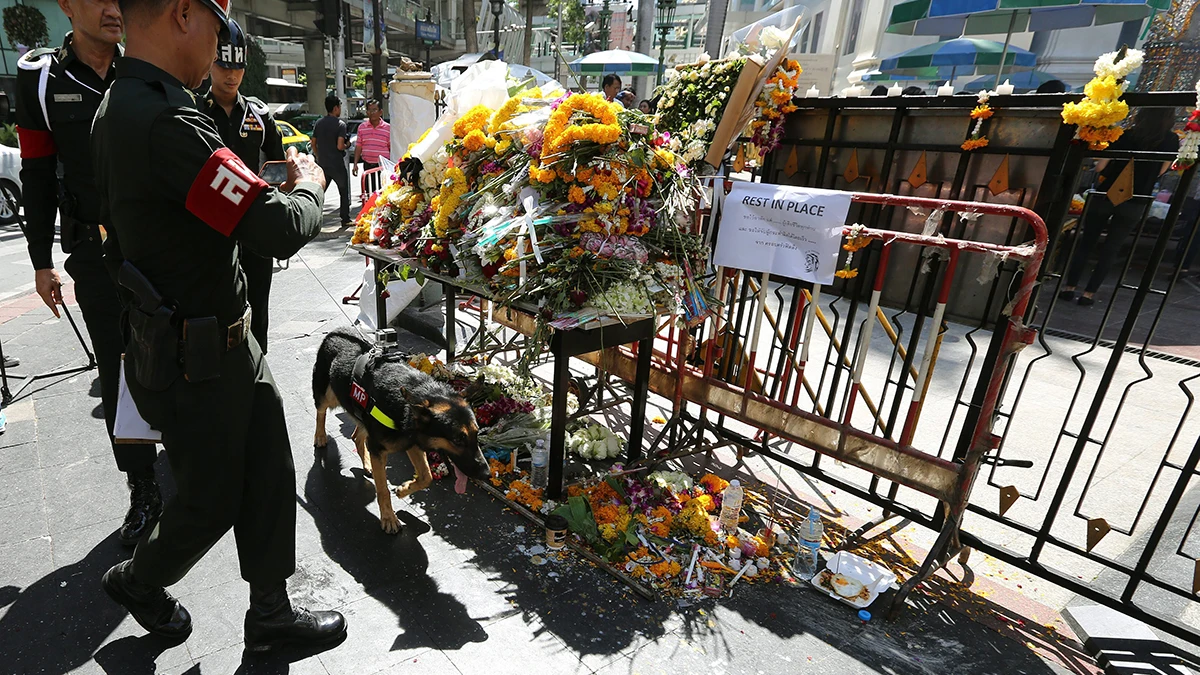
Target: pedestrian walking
330	138
374	139
58	92
248	129
180	204
1151	130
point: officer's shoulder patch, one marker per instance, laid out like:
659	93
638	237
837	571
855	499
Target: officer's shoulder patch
36	59
257	105
223	191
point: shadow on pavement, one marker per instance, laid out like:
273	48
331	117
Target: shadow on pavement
392	569
55	624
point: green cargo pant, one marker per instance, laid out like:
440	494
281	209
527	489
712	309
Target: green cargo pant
227	442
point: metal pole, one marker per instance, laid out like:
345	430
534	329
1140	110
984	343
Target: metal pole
1012	21
339	62
378	71
662	53
558	47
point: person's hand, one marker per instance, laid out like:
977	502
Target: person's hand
301	168
49	286
354	169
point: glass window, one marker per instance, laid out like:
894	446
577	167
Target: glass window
804	39
817	22
856	10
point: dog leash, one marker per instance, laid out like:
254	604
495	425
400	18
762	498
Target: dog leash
353	323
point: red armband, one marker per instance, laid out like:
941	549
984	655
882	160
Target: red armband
223	191
35	143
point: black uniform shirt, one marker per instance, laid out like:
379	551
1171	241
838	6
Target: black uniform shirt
179	201
249	130
57	97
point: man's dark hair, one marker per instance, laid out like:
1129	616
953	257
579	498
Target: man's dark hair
370	101
143	8
879	90
913	91
332	102
609	79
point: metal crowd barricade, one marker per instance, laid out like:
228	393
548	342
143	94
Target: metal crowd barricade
740	396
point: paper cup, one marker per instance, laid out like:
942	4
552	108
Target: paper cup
556	532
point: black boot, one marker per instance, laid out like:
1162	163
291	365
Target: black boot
152	607
272	622
145	506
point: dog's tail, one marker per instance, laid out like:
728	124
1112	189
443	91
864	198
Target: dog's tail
320	379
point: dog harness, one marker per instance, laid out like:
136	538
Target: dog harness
363	393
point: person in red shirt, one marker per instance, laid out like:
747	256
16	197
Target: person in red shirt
374	139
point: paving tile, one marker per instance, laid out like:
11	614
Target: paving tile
130	649
431	662
21	487
20	522
24	563
18	457
540	652
217	617
231	660
379	635
69	509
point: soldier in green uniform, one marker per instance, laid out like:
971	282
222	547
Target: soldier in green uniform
180	204
248	129
58	91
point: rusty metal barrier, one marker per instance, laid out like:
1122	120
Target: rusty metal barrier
734	389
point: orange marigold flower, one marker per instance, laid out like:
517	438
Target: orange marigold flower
974	143
982	112
846	273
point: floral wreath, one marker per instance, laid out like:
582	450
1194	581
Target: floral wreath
856	240
1102	109
981	112
1189	146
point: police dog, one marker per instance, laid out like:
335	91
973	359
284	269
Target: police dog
416	414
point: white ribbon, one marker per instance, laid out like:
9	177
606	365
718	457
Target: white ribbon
529	199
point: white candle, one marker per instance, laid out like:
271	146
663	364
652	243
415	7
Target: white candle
945	90
812	92
1005	89
894	90
852	92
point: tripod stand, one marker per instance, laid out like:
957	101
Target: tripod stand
8	397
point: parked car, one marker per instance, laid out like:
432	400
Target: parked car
293	137
10	185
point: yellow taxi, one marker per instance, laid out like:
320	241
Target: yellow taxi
292	137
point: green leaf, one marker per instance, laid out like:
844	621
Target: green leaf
404	272
615	484
420	278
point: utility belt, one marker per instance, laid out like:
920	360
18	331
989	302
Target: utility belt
162	345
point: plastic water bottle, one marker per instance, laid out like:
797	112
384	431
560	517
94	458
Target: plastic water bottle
808	554
539	475
731	507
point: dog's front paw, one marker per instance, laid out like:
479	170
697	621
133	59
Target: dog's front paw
320	440
389	522
404	490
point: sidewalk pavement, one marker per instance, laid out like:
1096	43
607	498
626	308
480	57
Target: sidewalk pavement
453	592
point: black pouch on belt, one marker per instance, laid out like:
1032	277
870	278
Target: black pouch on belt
203	345
153	348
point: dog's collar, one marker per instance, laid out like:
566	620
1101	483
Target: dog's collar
361	393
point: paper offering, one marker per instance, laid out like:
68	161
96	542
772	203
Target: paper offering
785	231
129	427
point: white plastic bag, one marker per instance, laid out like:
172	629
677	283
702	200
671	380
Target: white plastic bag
400	294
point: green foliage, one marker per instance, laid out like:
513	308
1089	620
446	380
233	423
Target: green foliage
8	135
25	25
360	78
573	21
255	81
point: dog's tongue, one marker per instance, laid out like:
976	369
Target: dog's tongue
460	480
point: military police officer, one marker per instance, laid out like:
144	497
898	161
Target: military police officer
58	91
180	204
248	129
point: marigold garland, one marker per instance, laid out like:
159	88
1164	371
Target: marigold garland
855	241
561	133
1102	109
981	112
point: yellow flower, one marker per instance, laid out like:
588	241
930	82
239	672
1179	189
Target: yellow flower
474	140
473	119
503	146
1102	88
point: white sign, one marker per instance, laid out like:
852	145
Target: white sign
787	231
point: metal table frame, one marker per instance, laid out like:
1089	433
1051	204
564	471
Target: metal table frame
564	344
